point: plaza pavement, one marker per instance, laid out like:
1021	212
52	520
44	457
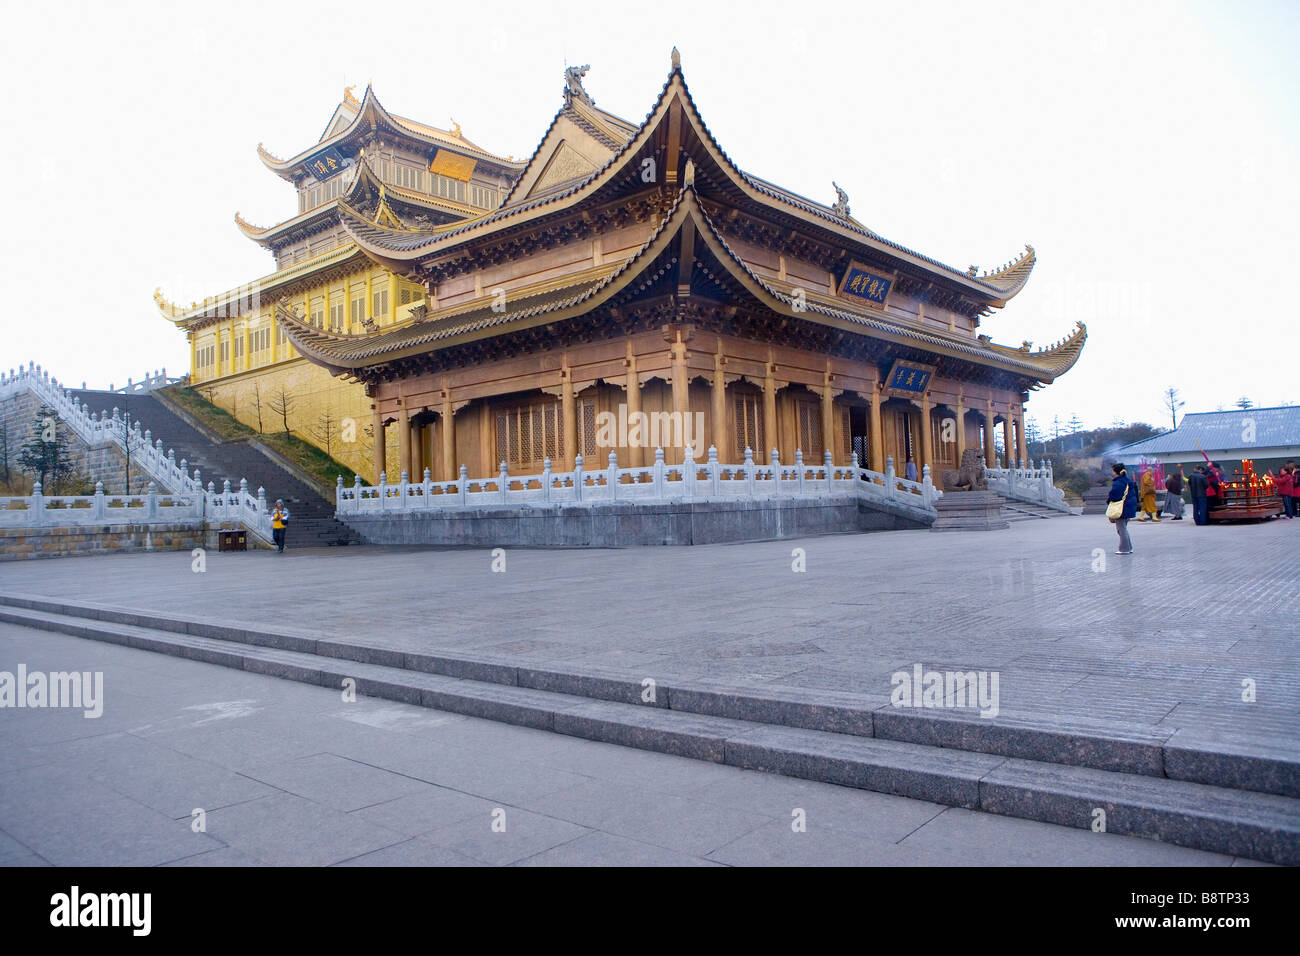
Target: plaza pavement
288	773
1162	638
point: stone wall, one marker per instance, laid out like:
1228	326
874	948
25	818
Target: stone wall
17	544
626	524
106	463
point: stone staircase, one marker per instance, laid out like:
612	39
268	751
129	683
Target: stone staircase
1015	510
312	521
1209	792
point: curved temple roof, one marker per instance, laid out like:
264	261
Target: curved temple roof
401	251
579	294
370	113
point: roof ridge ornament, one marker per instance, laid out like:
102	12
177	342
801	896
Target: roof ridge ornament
573	89
841	207
455	129
676	61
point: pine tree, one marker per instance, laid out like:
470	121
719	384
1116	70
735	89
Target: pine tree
44	455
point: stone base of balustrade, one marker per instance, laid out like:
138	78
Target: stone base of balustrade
969	511
18	544
628	524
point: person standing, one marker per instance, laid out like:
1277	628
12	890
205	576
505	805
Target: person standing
910	471
1197	486
1214	487
1124	490
1149	512
1174	495
1286	487
279	523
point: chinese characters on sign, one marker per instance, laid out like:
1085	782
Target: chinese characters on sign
326	163
908	378
862	284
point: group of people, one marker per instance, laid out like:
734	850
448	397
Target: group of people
1204	486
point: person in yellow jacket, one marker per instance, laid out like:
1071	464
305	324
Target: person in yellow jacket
1148	490
279	522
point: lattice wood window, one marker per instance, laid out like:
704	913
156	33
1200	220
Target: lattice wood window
586	412
810	430
336	317
749	426
528	434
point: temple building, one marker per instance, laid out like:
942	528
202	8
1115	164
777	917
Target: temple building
628	287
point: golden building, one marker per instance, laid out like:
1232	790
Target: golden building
387	167
624	284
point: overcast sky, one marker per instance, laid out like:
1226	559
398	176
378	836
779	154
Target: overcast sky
1149	152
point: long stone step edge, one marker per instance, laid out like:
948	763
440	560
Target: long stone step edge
1240	823
1218	761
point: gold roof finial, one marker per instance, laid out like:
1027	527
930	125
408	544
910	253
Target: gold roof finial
349	97
455	128
677	59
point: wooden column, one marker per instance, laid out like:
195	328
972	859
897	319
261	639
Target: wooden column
681	394
403	442
416	467
569	412
769	418
927	457
1006	440
990	459
1022	450
877	436
448	438
828	419
636	454
719	437
961	431
381	448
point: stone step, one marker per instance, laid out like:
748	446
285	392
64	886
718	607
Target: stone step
1216	819
1265	765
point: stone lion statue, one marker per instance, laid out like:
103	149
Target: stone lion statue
970	476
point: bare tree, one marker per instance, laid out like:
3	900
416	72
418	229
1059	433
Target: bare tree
281	404
324	431
1173	402
257	406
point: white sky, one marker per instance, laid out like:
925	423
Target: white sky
1149	151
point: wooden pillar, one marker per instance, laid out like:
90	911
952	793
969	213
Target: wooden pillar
681	395
381	448
403	441
927	456
448	438
1007	441
828	419
636	453
719	436
569	413
990	460
769	418
877	437
961	432
416	467
1022	450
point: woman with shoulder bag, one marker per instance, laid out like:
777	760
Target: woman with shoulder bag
1122	506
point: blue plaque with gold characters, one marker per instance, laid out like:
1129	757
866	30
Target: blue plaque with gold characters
907	377
861	284
325	164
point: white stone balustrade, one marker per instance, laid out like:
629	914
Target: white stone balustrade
38	510
689	481
96	431
1027	483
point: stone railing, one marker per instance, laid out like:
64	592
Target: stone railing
158	379
227	506
96	430
1027	483
689	481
